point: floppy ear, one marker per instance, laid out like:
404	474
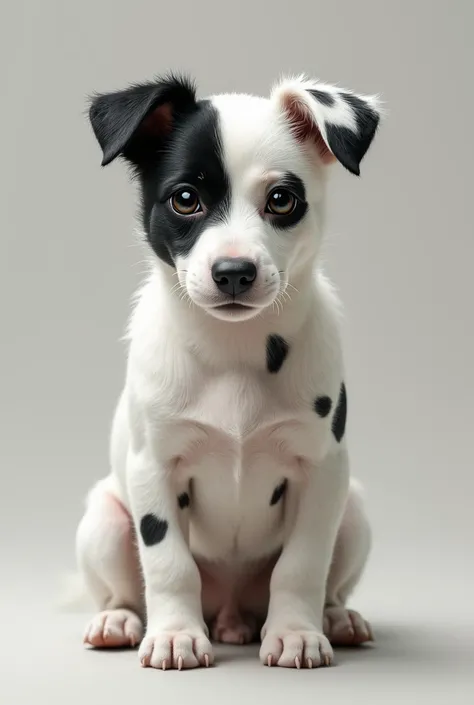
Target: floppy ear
134	122
340	124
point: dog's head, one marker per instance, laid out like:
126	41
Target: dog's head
233	187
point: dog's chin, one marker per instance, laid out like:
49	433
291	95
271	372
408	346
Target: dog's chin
233	312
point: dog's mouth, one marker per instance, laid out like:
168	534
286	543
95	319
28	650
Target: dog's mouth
233	310
233	307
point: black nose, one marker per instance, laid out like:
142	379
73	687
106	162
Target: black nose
235	275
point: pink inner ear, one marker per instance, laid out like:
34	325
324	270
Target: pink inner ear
159	122
305	127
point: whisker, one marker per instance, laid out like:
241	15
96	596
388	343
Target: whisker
176	287
141	262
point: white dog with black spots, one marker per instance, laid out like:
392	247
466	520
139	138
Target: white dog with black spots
229	513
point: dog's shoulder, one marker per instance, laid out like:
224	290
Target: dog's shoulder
320	336
315	360
154	325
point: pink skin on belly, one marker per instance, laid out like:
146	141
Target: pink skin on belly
235	606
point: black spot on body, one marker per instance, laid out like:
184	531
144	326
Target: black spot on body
349	147
278	493
323	406
152	529
183	500
340	415
277	350
323	97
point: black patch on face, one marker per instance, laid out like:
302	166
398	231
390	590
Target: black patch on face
172	142
293	183
323	97
192	157
183	500
350	147
278	493
277	350
323	406
152	529
340	415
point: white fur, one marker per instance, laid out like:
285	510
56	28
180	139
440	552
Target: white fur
198	402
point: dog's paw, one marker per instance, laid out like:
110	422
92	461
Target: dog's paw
114	628
346	627
296	649
175	649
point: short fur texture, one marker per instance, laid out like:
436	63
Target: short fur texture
229	498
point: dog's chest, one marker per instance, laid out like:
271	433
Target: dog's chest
241	438
234	404
242	414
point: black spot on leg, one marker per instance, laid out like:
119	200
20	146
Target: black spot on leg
152	529
340	415
183	500
277	350
278	493
323	406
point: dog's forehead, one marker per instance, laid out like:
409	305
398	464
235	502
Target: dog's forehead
253	134
243	116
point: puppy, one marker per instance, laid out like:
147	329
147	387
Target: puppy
229	512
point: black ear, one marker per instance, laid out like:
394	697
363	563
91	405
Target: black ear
134	122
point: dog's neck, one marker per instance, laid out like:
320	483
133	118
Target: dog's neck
241	342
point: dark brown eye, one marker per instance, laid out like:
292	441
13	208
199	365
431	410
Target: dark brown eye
185	202
281	202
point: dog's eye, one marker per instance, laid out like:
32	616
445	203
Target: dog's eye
186	202
281	202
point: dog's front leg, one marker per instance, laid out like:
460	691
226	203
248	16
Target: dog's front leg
176	636
293	632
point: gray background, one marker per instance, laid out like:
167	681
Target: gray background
400	249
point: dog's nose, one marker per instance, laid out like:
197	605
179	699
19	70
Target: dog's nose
234	275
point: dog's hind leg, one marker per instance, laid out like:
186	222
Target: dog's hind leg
342	626
108	561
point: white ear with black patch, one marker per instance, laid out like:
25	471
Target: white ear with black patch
341	124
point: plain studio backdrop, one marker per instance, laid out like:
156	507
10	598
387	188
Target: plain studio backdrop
400	247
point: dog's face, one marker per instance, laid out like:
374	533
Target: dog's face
233	187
